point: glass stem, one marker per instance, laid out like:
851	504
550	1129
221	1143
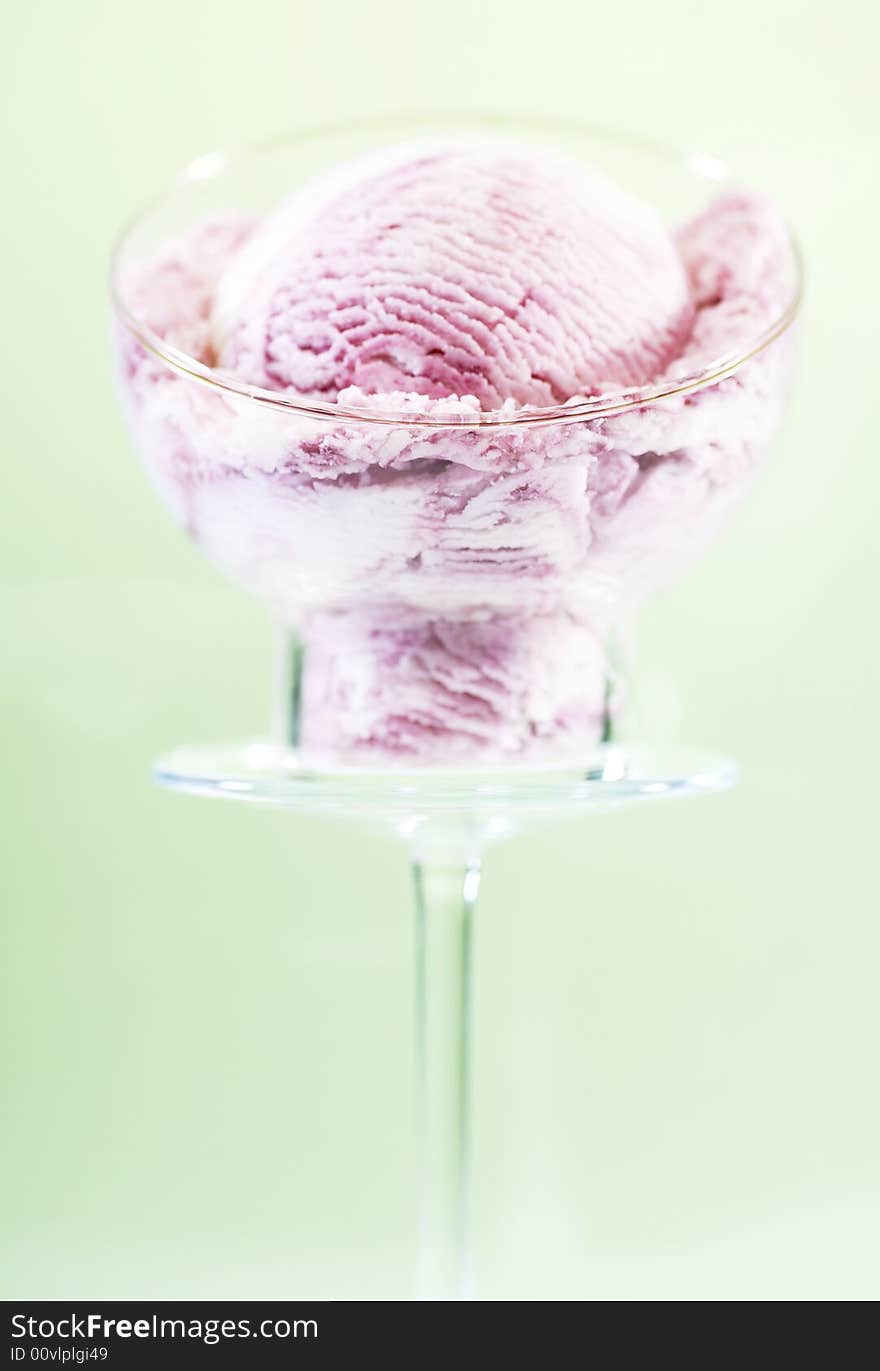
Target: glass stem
446	892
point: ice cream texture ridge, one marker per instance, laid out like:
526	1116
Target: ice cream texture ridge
458	541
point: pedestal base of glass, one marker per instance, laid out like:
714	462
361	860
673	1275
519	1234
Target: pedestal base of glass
447	819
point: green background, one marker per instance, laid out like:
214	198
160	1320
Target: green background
208	1027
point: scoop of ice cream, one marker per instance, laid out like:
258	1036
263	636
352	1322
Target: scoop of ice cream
476	268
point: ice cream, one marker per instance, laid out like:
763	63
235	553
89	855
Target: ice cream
457	556
476	269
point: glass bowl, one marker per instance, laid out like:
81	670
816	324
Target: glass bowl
452	587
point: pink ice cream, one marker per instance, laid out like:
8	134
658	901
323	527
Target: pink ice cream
477	269
460	572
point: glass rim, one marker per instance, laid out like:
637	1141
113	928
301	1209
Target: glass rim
210	166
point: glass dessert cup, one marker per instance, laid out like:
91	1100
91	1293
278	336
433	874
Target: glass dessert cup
451	605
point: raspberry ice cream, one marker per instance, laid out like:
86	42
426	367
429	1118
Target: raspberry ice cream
476	269
430	500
